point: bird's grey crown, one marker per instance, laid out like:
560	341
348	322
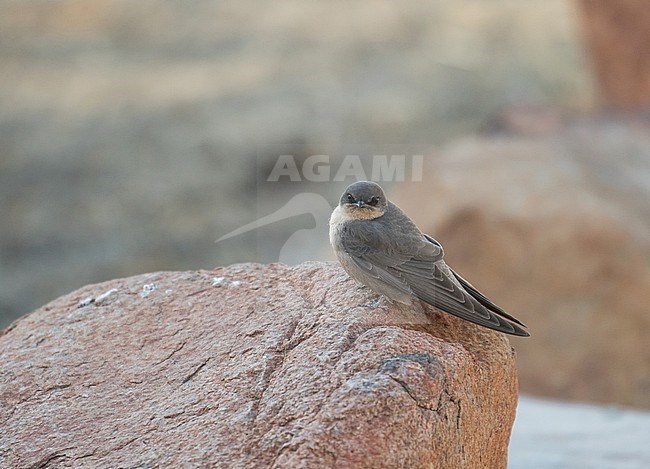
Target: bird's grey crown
364	191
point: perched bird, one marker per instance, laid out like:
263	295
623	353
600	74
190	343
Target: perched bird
380	247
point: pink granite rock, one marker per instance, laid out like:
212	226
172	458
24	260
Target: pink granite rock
250	366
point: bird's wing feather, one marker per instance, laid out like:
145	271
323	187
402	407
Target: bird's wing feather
445	294
392	279
424	272
485	301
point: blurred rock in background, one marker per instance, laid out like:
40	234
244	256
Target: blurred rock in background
617	36
132	135
129	132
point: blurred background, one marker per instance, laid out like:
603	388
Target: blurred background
134	134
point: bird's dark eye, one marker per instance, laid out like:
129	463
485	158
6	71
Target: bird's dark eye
350	198
374	201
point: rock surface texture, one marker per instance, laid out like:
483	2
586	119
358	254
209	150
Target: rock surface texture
251	366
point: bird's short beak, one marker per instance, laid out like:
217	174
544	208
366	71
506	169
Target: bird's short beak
359	203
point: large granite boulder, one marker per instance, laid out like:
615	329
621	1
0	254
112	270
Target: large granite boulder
251	366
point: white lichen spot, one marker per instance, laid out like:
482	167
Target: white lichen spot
217	281
104	297
235	283
86	301
168	292
147	289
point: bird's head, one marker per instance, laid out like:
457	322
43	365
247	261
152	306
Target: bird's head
364	200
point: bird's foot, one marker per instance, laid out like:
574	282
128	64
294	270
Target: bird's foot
378	303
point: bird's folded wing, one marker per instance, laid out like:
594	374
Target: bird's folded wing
424	273
382	264
445	294
393	279
485	301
